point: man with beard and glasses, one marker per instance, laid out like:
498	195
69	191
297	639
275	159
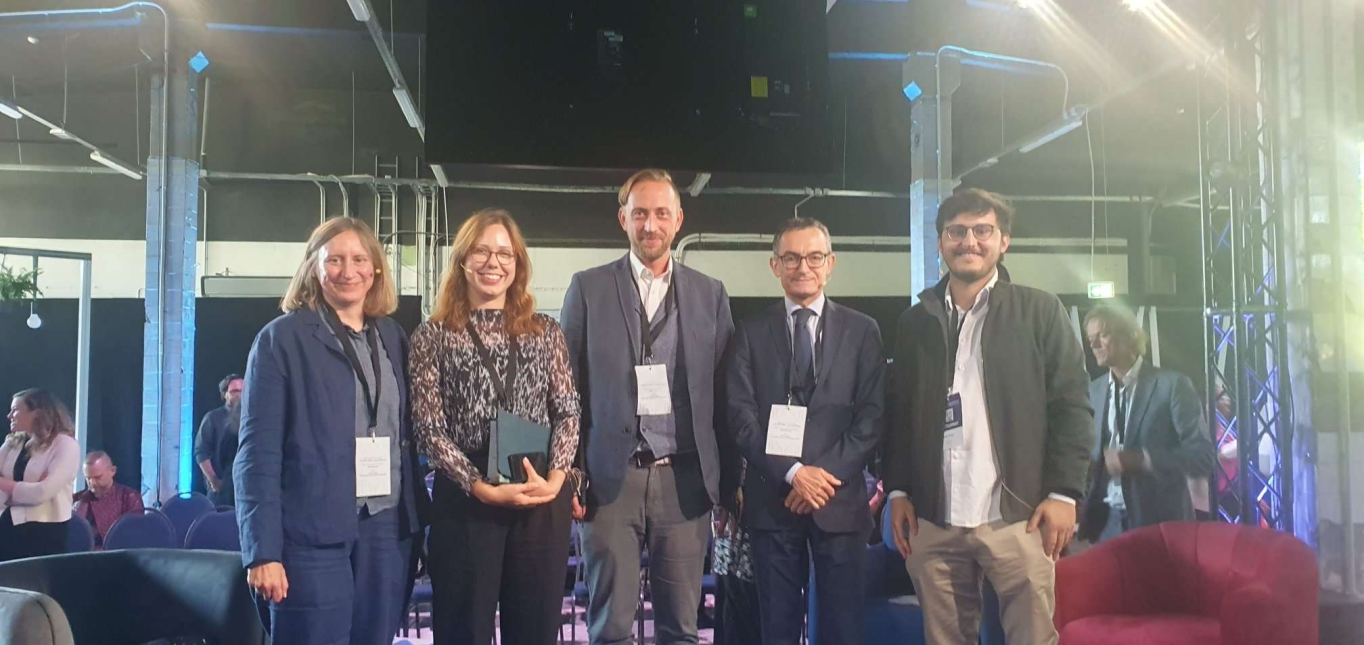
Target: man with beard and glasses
646	340
215	447
989	434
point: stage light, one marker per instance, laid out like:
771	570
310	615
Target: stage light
10	110
439	172
360	9
115	164
60	134
409	108
1102	290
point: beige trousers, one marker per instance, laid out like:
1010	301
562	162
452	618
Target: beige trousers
947	565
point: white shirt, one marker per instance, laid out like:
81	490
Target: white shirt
1114	497
970	475
818	308
652	288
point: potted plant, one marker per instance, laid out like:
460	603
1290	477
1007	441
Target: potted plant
17	286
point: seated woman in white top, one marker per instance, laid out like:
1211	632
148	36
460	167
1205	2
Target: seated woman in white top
38	464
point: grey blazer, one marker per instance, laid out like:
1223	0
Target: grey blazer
601	325
1167	421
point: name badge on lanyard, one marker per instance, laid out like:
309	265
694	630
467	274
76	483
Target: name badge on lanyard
372	469
651	379
786	431
953	435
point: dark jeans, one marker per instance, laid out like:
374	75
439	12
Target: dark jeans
345	594
481	556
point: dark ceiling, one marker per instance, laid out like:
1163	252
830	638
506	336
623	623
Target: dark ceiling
1143	142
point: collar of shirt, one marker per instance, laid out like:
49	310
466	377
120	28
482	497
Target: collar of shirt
644	275
982	298
817	306
1133	373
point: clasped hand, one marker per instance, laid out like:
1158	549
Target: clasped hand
536	491
811	488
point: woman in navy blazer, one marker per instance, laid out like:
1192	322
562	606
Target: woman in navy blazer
329	554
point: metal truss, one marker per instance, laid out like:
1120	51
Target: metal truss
1246	341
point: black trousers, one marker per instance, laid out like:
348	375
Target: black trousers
480	556
30	539
736	612
781	562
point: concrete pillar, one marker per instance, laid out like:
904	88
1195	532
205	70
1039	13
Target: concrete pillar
168	334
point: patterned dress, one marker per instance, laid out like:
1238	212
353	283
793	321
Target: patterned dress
453	397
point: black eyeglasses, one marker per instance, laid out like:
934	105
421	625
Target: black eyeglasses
813	260
481	254
957	232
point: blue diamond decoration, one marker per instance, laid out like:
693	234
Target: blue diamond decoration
199	63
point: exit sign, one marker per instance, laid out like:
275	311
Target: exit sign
1101	290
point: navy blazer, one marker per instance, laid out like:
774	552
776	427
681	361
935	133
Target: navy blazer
1166	421
295	468
601	325
842	423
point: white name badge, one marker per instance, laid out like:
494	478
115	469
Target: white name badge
786	431
372	470
654	395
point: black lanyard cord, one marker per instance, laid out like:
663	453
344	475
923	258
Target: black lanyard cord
649	333
348	346
504	388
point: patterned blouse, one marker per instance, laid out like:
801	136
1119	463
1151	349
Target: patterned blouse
453	397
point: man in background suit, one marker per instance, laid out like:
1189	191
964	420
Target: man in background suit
1151	429
646	339
806	388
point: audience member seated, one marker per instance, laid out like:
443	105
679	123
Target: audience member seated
104	500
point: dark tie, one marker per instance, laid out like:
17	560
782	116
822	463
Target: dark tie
1120	415
803	355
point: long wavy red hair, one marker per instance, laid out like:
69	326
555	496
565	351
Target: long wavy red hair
452	304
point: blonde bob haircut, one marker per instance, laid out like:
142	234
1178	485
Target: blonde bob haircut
452	303
305	290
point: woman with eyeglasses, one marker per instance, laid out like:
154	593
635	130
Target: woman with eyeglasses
484	357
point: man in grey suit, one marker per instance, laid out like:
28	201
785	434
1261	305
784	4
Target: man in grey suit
1151	429
647	339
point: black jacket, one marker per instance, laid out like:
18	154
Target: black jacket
1036	392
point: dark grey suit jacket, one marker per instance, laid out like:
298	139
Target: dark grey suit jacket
1167	421
601	325
843	422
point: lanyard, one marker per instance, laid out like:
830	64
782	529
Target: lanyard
348	346
818	354
649	333
504	388
958	322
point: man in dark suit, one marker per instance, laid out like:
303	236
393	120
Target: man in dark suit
1151	429
806	385
646	339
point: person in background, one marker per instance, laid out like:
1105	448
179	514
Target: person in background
215	447
104	500
737	617
38	464
495	548
330	498
1152	434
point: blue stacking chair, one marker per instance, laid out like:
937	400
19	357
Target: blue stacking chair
150	530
